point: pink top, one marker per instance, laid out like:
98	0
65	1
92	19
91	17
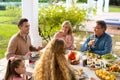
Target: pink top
16	78
68	39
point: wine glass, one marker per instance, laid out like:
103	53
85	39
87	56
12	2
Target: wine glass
93	38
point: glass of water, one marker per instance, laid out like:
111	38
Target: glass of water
93	38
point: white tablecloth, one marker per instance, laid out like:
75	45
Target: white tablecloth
90	73
86	70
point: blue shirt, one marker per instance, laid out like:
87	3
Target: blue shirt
102	45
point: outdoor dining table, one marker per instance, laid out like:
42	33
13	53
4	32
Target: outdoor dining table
87	71
90	73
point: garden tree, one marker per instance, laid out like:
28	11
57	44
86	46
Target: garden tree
51	18
115	2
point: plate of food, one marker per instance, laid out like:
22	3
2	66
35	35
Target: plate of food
93	55
104	75
109	57
117	74
73	57
81	74
114	68
95	66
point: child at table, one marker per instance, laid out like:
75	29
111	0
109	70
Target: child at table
16	70
53	65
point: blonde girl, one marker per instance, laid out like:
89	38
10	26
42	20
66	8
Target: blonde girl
66	35
53	65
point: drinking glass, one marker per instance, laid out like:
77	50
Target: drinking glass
26	62
93	38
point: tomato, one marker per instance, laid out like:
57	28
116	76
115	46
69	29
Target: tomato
72	55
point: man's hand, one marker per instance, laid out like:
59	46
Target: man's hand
40	48
91	43
28	55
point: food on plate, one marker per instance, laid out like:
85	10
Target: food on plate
73	58
90	61
92	78
81	75
109	57
76	72
72	55
94	66
104	75
74	62
80	71
118	62
91	55
108	65
114	68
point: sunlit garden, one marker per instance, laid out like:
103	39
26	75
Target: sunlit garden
83	38
50	19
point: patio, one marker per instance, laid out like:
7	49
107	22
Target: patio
111	30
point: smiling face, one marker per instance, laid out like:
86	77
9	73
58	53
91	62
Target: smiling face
21	69
65	28
24	28
98	30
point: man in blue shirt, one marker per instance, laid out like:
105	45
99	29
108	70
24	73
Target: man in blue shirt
102	43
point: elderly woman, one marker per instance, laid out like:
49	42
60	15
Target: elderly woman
53	65
66	35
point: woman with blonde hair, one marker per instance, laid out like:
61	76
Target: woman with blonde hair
53	65
66	34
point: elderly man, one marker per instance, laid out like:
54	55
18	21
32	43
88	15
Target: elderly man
102	43
20	44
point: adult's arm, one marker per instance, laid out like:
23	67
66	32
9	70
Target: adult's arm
85	46
70	42
32	48
107	47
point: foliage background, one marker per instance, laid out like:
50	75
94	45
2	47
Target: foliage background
51	18
112	2
8	27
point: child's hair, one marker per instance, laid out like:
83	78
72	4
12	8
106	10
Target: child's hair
53	65
12	64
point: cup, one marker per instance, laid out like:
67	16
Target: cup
27	62
34	54
84	60
93	38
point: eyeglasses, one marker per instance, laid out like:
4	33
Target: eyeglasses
97	28
27	26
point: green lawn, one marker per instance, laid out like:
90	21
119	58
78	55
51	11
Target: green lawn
114	8
6	31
